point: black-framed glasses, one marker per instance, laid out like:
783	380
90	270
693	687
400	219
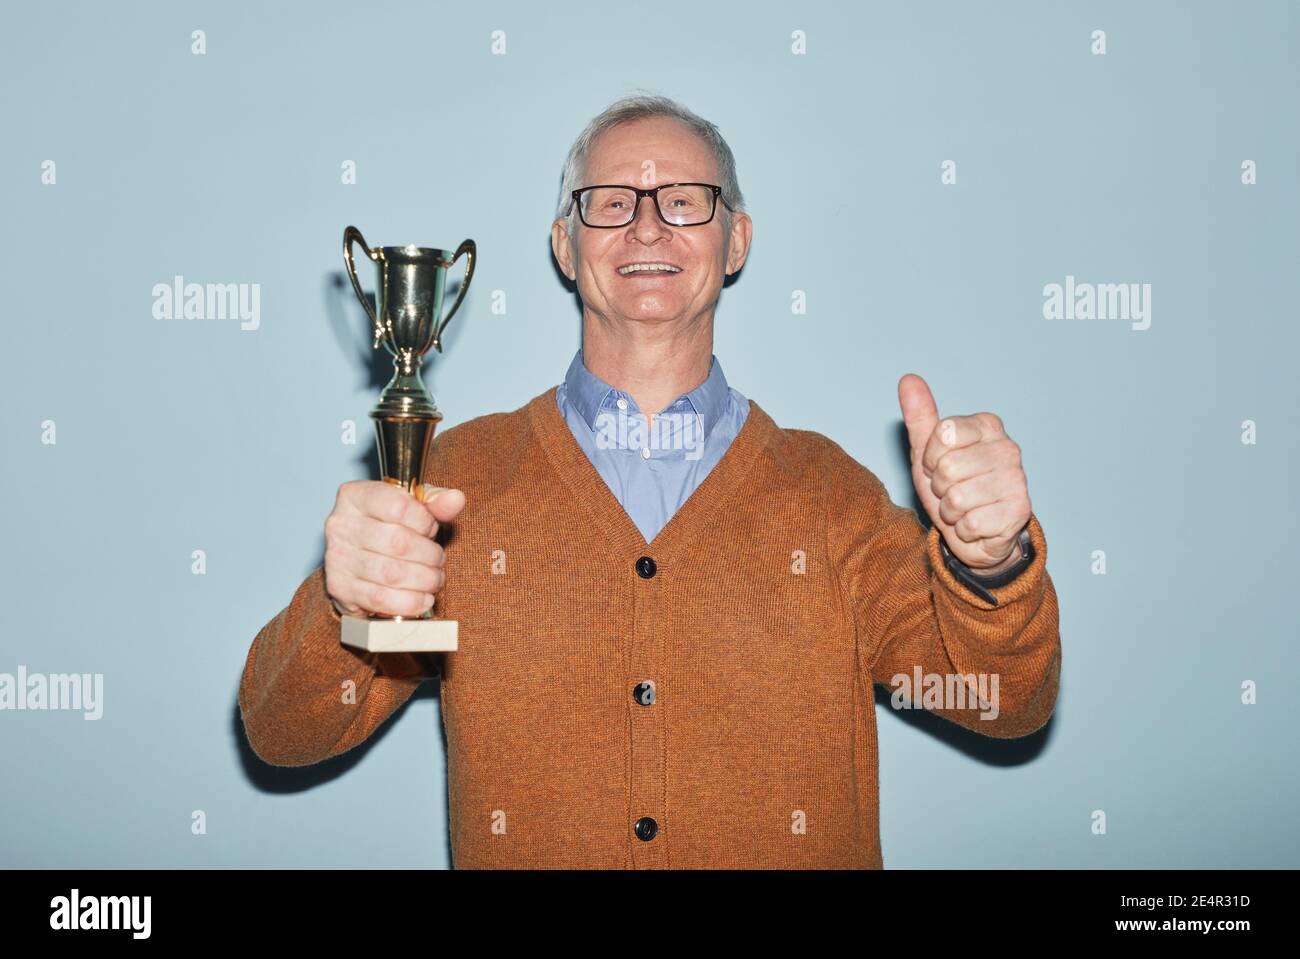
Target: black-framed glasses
608	206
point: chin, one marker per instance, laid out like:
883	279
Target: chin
653	313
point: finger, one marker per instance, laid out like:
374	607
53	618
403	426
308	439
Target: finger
959	465
333	579
385	600
389	539
347	609
971	494
996	522
390	503
958	431
442	502
919	411
395	573
952	433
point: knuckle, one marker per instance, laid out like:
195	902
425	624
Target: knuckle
991	421
390	571
418	517
351	494
334	556
397	543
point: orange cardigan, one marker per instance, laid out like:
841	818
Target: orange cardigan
711	708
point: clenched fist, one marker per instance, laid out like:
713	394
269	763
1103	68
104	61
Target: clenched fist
967	473
380	555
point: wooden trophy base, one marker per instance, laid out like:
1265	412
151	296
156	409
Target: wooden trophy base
400	635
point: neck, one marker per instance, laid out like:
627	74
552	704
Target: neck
655	363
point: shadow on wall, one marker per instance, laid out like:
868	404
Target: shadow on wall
986	749
282	780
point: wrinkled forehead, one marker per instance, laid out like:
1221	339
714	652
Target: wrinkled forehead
650	151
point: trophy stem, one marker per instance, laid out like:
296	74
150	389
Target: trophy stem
404	443
406	395
405	422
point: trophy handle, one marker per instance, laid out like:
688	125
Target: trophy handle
470	250
353	235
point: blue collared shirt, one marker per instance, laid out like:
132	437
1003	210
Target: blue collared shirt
651	465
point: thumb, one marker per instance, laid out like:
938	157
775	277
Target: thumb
443	502
919	411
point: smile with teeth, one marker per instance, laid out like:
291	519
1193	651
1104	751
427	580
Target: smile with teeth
648	268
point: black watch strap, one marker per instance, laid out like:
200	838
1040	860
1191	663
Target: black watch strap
980	585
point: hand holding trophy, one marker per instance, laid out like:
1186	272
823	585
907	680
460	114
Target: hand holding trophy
407	320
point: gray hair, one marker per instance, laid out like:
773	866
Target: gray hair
641	107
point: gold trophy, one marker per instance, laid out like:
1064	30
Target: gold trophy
409	299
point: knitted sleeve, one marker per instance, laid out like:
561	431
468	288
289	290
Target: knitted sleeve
304	696
994	669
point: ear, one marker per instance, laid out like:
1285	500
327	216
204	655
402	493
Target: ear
562	247
742	232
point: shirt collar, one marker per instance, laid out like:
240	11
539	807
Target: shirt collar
588	394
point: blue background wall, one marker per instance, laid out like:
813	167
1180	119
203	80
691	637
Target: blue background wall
225	167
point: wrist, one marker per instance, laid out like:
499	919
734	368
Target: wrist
1006	564
982	581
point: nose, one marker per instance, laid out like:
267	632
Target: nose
645	221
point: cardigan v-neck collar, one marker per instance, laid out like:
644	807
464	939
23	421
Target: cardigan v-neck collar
581	478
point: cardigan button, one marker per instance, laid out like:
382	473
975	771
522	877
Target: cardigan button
645	567
646	828
644	693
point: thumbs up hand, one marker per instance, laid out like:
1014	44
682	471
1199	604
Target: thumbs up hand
967	473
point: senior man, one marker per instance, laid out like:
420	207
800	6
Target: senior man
670	626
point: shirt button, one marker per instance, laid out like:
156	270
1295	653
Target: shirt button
646	828
645	567
644	693
622	403
645	452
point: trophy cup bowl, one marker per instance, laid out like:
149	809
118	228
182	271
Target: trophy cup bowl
408	320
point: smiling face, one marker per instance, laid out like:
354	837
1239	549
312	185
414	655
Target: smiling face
645	153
